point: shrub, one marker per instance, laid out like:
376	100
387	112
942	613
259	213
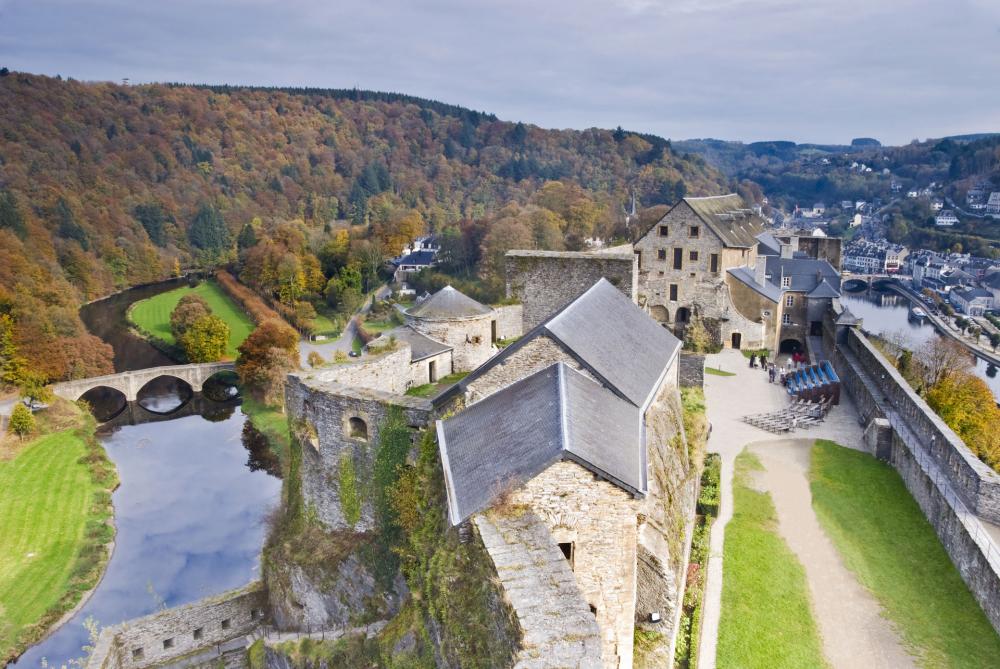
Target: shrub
315	359
22	421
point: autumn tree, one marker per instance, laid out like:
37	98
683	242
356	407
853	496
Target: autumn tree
968	406
12	365
267	355
189	309
696	336
205	339
940	357
22	421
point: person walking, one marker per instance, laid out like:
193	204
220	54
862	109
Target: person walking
753	360
781	374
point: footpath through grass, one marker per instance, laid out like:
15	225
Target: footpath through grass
152	316
766	618
887	543
55	502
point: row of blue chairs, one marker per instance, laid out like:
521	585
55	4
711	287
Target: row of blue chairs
815	382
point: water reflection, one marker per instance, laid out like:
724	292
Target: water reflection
189	514
164	394
887	314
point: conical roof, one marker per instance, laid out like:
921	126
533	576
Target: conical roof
823	289
446	304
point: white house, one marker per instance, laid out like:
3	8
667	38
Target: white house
972	301
993	205
945	218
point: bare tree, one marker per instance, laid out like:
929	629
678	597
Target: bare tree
939	358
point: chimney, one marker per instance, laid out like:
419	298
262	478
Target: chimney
786	249
760	270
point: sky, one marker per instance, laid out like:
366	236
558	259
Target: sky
803	70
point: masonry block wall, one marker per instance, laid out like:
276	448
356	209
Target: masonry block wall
386	372
420	370
595	522
470	338
174	633
510	321
338	427
558	628
546	281
954	490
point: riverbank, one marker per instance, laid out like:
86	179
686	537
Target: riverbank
151	316
56	519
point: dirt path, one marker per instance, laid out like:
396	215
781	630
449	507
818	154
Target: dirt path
853	630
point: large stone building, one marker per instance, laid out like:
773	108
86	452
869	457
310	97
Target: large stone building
684	258
578	422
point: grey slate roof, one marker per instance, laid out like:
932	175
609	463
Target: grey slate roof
992	280
516	433
768	244
973	293
728	217
421	346
823	290
747	277
805	273
418	258
609	335
446	304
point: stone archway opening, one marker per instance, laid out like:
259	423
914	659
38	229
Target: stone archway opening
221	386
104	402
358	428
736	340
164	394
790	346
683	315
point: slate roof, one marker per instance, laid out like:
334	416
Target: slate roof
747	277
421	346
768	244
992	280
823	290
973	293
727	217
608	334
446	304
847	318
516	433
419	258
806	273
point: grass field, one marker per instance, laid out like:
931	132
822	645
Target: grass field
152	316
52	528
766	618
432	389
718	372
271	422
887	543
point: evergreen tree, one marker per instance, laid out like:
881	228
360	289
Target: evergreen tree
247	237
208	230
10	215
152	218
68	227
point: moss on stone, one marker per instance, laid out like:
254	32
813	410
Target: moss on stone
350	502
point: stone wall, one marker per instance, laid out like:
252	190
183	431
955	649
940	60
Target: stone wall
530	357
471	339
385	372
886	390
510	321
953	488
691	370
420	370
181	631
321	414
558	628
546	281
598	521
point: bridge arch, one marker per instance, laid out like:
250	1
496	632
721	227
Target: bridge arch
164	394
105	402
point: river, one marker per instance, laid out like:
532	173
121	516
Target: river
888	314
191	506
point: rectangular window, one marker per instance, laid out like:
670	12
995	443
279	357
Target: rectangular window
786	319
678	258
790	301
693	256
693	232
714	262
137	653
638	255
567	551
664	232
673	292
168	643
198	634
786	282
225	624
661	254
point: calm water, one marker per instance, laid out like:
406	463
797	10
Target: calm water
888	313
189	514
106	319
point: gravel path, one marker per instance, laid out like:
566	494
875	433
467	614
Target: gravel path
854	632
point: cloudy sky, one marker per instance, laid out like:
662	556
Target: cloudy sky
805	70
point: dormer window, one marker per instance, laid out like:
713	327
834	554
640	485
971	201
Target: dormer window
786	282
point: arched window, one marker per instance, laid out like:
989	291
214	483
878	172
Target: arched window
659	313
359	428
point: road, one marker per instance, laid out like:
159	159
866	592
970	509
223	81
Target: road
344	342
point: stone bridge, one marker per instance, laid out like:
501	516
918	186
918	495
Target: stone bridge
130	383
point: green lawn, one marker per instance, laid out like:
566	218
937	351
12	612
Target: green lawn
152	316
766	618
718	372
432	389
48	513
326	323
888	544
